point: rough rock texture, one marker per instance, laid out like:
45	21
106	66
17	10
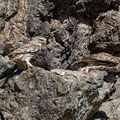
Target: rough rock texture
73	29
59	94
5	70
111	109
14	33
106	35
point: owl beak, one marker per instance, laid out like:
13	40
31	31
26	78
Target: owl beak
43	42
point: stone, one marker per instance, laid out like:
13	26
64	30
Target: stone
43	59
112	109
38	14
55	88
6	70
8	9
107	24
2	24
39	94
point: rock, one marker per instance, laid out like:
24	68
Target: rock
39	94
43	59
8	9
111	110
80	45
4	65
13	35
69	48
2	48
6	70
117	90
106	35
2	24
84	10
54	89
38	15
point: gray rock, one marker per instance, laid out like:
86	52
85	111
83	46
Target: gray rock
66	48
73	28
5	70
2	48
2	24
8	9
112	109
43	59
59	94
38	14
106	35
84	10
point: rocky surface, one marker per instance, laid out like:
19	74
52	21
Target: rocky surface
55	89
59	94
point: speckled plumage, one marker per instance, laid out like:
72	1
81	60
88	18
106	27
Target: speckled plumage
102	61
22	55
102	57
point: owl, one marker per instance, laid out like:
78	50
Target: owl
22	55
101	61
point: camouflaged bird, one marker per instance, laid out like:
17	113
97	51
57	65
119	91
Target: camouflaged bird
101	61
22	55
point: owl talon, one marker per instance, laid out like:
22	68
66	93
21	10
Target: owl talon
86	69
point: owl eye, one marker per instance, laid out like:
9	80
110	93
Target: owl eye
43	42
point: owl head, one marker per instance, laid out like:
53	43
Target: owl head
43	41
39	40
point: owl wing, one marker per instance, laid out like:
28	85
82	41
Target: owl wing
27	48
93	61
89	60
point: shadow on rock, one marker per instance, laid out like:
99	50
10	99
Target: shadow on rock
101	115
9	73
